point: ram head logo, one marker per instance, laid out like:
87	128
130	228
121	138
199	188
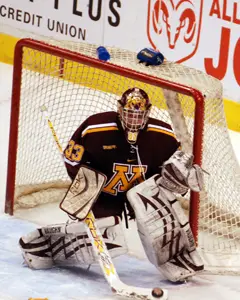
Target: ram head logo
176	21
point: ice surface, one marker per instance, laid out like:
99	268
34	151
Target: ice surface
17	282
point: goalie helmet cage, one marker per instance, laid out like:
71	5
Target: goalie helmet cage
72	84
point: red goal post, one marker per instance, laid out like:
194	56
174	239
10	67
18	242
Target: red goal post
62	77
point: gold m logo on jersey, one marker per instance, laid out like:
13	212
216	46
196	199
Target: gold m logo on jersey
124	177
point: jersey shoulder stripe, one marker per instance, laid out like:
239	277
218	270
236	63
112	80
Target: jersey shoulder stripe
161	129
99	128
72	163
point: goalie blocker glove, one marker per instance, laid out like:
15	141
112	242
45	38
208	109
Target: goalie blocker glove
150	57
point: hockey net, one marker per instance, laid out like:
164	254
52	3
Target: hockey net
68	80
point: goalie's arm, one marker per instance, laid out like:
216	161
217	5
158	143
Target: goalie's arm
76	153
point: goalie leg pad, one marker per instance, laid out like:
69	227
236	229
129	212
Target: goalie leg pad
158	228
163	228
69	245
182	267
36	250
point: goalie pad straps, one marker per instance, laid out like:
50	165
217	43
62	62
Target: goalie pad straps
164	229
179	174
186	263
69	245
83	192
183	266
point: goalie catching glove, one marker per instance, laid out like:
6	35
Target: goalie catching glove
180	174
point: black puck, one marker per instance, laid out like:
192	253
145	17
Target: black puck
157	292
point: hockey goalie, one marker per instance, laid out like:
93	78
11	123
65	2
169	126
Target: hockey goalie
123	165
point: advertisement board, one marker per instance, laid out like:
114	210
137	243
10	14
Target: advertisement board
204	34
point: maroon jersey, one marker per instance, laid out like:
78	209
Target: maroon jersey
100	143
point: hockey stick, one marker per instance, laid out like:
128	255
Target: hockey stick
102	254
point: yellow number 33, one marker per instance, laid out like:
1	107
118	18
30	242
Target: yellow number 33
74	151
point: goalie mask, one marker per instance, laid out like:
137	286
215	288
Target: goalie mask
134	108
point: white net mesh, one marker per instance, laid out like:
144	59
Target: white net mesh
72	91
